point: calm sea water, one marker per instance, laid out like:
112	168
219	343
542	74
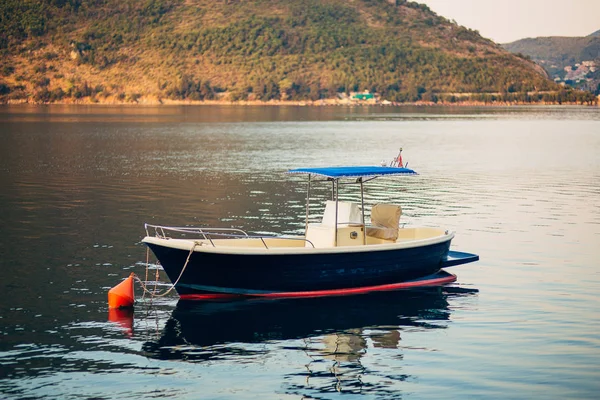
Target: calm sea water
520	186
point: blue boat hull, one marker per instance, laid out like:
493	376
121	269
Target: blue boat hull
260	274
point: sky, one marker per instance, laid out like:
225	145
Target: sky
505	21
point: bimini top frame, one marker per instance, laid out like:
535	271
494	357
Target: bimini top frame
334	174
353	172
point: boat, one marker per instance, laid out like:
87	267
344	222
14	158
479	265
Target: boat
339	254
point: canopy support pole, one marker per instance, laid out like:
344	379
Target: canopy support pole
307	207
362	207
332	189
336	210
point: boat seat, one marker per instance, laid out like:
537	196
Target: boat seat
348	214
385	221
349	228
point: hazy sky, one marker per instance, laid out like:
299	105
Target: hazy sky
505	21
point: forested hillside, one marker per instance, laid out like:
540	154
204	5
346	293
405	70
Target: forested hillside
558	50
160	50
574	61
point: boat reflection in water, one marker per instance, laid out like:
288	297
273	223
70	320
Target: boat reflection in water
333	333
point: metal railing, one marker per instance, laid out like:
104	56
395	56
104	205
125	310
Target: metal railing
210	233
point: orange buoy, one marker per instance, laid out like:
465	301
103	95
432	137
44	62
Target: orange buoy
121	296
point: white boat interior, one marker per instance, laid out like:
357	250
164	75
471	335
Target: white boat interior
350	231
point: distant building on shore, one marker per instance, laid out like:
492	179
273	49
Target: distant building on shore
363	96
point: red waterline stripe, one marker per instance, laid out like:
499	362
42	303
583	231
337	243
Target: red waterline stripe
334	292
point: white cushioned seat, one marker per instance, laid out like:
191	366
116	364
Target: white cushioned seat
348	213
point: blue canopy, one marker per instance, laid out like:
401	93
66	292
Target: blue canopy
348	172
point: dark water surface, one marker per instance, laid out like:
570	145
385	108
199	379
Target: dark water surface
520	186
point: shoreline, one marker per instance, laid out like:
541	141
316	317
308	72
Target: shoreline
150	101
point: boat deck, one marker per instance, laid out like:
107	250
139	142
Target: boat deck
205	241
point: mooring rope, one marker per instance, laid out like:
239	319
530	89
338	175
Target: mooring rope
147	264
153	292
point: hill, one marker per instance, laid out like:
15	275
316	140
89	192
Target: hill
557	50
572	60
161	50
